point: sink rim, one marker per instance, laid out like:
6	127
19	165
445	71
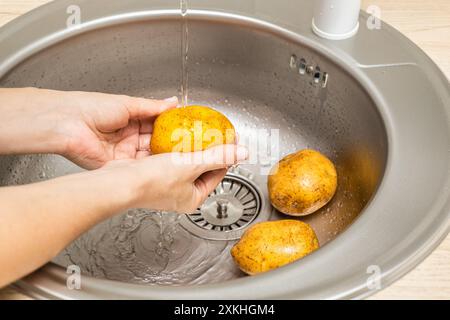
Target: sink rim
356	291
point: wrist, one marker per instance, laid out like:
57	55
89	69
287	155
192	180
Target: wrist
101	193
122	181
29	125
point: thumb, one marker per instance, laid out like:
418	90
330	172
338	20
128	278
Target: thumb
141	108
218	157
206	183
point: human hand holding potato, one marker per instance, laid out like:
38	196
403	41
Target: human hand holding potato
89	128
175	182
102	127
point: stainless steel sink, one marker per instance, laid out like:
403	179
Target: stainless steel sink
382	118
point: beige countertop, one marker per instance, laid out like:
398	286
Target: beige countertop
427	23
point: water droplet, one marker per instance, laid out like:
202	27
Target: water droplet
293	62
184	7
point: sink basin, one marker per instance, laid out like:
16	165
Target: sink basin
382	119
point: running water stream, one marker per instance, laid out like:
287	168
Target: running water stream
184	52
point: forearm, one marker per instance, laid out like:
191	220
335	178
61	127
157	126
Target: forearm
37	221
30	121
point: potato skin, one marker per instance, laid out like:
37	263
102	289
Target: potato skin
269	245
167	136
302	183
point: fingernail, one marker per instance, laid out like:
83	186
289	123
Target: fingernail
241	153
172	100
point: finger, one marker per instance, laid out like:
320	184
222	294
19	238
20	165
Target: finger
141	108
126	149
144	142
146	126
219	157
142	154
206	184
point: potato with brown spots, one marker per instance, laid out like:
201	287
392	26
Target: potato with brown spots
302	183
270	245
192	128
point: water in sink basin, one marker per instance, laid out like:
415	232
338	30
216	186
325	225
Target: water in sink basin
148	247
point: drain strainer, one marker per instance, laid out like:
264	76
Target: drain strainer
235	204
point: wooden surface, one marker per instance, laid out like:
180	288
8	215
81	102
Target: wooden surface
427	23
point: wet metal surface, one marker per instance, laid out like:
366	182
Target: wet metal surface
246	74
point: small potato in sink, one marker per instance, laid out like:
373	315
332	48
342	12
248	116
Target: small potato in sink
270	245
302	183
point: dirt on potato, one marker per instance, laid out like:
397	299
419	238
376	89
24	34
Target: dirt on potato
270	245
302	183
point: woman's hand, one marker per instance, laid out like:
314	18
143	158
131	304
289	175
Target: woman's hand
178	182
88	128
94	129
105	127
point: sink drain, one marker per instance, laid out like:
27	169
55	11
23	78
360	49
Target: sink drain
234	205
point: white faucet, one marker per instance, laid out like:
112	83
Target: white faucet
336	19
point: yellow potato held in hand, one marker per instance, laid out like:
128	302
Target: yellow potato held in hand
270	245
192	128
302	183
